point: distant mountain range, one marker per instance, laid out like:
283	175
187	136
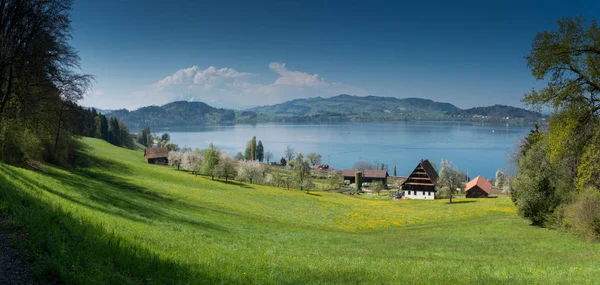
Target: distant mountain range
341	108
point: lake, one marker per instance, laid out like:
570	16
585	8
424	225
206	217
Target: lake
476	148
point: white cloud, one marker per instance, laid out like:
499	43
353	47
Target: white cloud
227	87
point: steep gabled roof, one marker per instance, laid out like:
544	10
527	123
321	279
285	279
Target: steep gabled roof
481	183
156	152
433	175
416	179
377	174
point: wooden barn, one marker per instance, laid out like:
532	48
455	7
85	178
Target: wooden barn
368	176
420	184
478	188
157	155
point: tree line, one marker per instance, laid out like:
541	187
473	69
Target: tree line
558	164
39	83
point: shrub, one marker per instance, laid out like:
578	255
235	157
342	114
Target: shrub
582	216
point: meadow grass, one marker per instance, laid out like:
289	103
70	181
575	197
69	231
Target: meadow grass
116	219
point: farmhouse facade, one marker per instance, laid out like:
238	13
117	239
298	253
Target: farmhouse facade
478	188
157	155
420	184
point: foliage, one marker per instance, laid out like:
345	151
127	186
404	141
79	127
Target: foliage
539	187
226	167
582	216
314	158
238	156
260	152
335	181
557	163
283	162
500	179
175	158
248	151
449	178
253	148
249	170
211	157
376	186
192	161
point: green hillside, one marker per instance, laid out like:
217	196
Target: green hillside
359	108
117	220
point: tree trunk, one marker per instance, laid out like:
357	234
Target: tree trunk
60	114
6	96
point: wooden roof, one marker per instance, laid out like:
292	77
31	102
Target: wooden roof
156	152
377	174
423	168
480	182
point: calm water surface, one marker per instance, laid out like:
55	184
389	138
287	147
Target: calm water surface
478	148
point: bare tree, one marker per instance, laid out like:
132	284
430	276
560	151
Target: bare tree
290	153
268	156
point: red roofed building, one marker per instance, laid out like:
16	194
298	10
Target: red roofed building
478	188
157	155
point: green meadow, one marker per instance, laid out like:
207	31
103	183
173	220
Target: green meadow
117	220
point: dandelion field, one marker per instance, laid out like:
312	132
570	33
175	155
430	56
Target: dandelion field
118	220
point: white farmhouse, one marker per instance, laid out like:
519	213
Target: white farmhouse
420	184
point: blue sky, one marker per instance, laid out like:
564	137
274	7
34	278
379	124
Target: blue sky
239	54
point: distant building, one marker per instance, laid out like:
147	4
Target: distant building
368	176
157	155
321	166
420	184
478	188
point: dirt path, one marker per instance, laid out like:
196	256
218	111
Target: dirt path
14	267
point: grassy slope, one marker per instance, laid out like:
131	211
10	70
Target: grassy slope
119	220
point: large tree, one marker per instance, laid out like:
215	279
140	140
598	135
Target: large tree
290	153
568	59
260	151
302	175
253	148
314	158
211	160
226	167
449	178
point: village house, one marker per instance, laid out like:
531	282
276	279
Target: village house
420	184
478	188
157	155
368	176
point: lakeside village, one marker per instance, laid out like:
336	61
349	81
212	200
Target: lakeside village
306	172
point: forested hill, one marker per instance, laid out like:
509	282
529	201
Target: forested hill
341	108
374	108
178	113
498	111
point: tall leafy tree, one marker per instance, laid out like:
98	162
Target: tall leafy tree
449	178
253	148
211	160
314	158
260	151
302	174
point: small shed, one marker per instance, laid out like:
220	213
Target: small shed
368	176
478	188
157	155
